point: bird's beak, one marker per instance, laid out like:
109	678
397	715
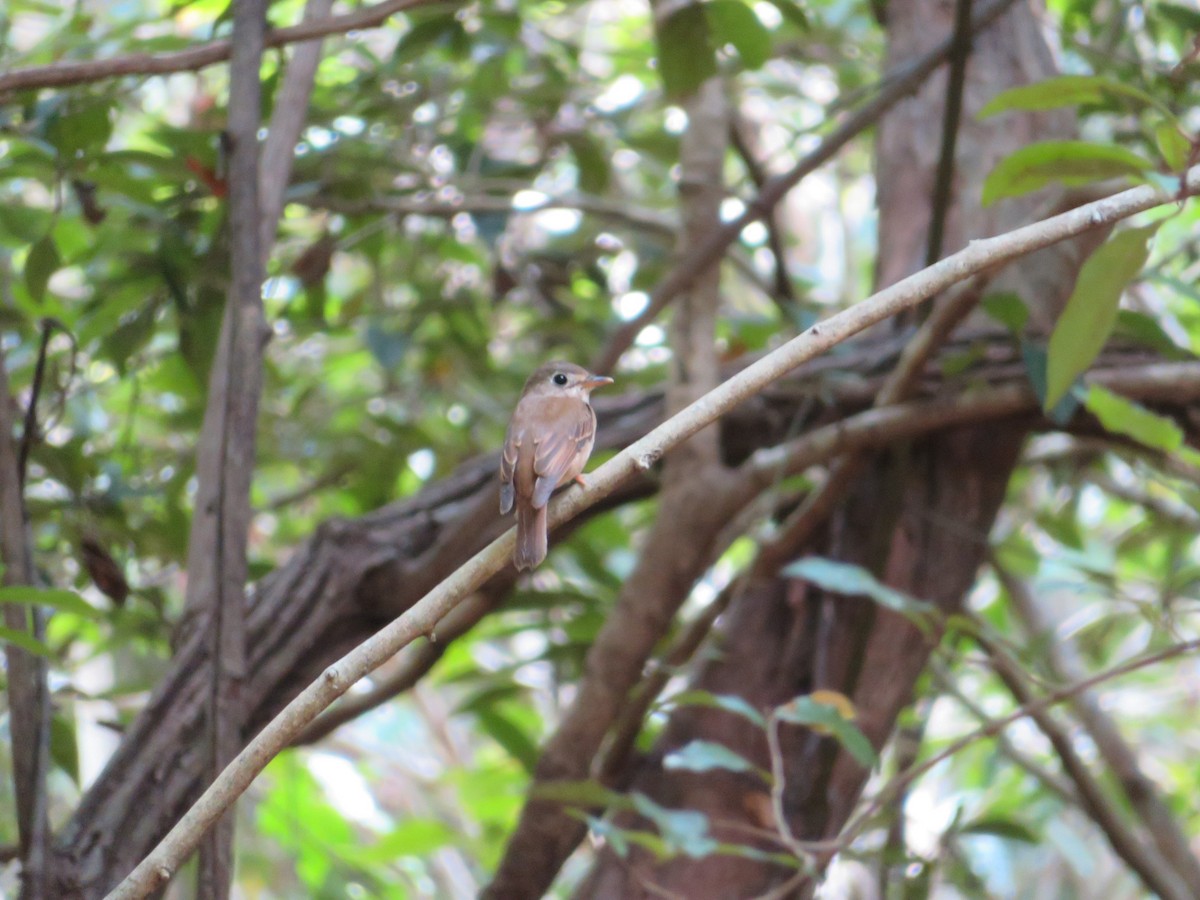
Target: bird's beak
594	381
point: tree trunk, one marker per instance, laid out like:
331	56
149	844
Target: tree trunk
918	515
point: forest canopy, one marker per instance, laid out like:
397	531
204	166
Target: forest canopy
892	593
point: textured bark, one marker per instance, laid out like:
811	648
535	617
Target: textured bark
353	576
217	564
696	502
918	516
26	681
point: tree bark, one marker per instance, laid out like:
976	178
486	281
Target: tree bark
27	675
918	516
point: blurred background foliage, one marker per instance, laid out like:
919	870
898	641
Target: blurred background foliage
479	189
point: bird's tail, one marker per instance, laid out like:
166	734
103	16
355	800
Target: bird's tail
531	536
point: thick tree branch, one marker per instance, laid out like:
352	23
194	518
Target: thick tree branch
66	74
217	547
640	456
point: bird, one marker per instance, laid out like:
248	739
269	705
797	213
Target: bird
549	439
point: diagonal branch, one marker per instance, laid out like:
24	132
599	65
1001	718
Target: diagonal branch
1143	795
422	617
1156	873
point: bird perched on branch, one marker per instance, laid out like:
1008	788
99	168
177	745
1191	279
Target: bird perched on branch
549	440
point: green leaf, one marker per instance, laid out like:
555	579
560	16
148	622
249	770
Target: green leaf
685	52
1009	829
683	831
40	264
733	22
1122	416
413	837
88	128
591	160
1064	90
509	735
1034	357
55	598
26	642
854	581
1008	309
727	702
702	756
442	31
1091	311
1173	144
826	717
64	749
1063	162
577	793
793	13
1145	329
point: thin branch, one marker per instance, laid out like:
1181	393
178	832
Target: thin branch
1061	659
1052	781
30	429
943	185
899	384
708	251
1144	859
782	284
217	548
992	728
288	118
616	210
410	666
422	617
65	74
27	675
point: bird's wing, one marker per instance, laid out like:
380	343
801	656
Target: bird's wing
563	445
508	467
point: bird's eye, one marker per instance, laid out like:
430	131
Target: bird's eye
559	378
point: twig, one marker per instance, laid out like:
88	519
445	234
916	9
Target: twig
1052	781
27	682
903	779
943	184
640	456
801	849
65	74
1144	859
1061	660
706	252
899	384
29	429
783	292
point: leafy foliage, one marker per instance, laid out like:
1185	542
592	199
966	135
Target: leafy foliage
479	188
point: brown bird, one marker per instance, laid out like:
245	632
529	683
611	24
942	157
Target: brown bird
549	440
